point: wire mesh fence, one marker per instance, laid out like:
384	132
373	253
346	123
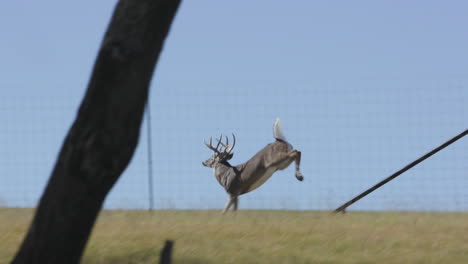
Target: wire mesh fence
350	139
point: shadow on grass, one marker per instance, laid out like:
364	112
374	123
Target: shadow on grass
132	259
191	261
140	256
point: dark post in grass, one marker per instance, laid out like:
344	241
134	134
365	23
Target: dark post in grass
102	140
396	174
166	254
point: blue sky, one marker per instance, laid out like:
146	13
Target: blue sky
362	89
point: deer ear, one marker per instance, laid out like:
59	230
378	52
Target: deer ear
230	156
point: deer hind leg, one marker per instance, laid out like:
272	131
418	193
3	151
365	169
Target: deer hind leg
298	163
285	159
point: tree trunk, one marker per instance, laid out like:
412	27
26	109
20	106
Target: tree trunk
103	138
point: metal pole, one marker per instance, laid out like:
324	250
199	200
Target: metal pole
150	156
396	174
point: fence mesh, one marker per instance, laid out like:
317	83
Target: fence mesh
350	139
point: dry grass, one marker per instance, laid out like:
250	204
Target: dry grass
264	237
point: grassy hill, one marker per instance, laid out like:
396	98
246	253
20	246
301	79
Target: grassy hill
264	237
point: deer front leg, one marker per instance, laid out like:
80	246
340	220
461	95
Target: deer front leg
229	202
236	201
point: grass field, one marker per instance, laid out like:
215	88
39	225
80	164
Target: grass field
264	237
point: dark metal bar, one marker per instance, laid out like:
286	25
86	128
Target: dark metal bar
398	173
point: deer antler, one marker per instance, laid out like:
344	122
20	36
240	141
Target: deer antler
233	144
210	146
227	148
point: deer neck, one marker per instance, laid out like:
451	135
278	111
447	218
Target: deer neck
223	166
223	169
224	172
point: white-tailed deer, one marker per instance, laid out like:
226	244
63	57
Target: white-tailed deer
248	176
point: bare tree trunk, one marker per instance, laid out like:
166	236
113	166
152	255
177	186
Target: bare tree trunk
103	138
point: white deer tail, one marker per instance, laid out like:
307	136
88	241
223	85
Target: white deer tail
278	131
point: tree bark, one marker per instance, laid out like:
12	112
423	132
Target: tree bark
103	138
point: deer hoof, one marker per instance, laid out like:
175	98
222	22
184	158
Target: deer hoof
299	176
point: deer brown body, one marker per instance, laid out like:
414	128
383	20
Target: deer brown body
250	175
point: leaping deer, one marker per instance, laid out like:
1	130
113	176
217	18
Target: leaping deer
250	175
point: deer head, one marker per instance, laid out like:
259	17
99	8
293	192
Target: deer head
220	154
